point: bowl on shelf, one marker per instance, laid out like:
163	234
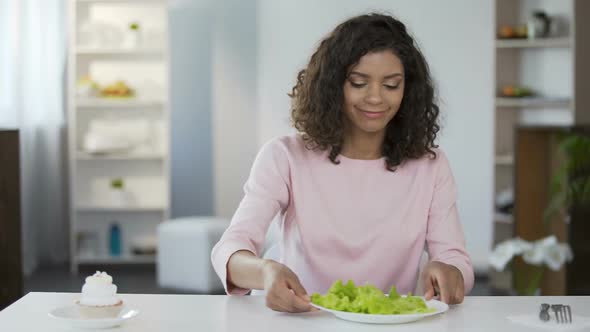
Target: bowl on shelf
513	32
511	91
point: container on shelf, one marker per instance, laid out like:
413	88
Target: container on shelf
115	240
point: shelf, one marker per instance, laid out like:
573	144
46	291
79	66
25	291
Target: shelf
128	209
562	42
503	218
533	102
504	160
127	259
81	51
84	156
118	103
123	1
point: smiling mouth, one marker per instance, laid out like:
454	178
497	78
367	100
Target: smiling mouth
372	115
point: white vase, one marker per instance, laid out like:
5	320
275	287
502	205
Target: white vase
133	39
121	198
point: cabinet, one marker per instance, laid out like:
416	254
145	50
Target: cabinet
11	278
538	161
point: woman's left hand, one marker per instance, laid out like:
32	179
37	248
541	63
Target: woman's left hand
443	280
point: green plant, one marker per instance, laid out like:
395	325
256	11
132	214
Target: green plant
117	183
571	184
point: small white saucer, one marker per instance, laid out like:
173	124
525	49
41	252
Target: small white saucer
70	315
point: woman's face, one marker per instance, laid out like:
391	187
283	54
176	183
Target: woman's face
373	92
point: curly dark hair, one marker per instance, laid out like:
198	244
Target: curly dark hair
318	97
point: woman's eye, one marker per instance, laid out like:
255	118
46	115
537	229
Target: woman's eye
361	85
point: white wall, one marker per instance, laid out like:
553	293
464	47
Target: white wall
456	37
191	98
260	46
234	101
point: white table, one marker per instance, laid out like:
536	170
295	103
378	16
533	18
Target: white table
248	313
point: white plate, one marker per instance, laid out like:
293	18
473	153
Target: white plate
70	315
440	307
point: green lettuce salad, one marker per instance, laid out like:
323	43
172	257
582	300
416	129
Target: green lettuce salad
369	299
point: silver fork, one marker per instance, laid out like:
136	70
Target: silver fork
567	313
544	313
563	313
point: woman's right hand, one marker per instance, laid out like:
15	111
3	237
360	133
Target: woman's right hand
284	292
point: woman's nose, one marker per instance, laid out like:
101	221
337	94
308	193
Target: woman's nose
374	95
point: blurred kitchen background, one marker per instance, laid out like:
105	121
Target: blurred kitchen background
128	128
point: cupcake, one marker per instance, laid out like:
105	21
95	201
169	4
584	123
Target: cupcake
99	297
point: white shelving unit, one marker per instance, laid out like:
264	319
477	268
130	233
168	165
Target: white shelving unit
545	65
504	218
130	157
107	52
534	102
504	160
143	168
113	103
123	1
561	42
106	208
108	260
554	68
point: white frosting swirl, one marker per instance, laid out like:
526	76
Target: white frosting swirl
99	290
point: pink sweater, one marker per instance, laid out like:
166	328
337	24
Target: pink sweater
355	220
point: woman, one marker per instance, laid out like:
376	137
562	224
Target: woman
362	189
